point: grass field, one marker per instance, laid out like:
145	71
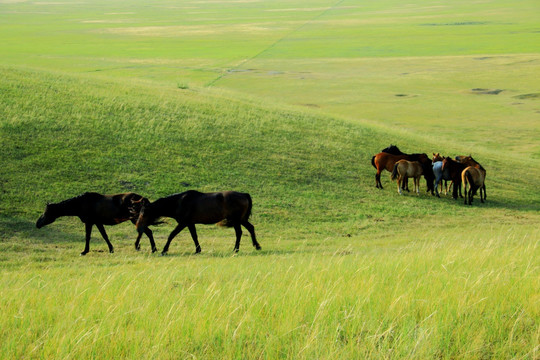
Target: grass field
286	101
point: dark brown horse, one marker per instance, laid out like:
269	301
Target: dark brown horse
385	161
96	209
455	168
229	208
474	177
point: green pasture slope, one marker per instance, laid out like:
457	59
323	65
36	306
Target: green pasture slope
287	101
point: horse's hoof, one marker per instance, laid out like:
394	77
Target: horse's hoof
111	251
163	253
83	253
258	247
154	250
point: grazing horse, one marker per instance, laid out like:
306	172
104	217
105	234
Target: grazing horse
385	161
404	169
455	168
229	208
475	178
96	209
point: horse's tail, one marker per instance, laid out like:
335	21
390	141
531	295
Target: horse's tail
247	214
373	161
394	172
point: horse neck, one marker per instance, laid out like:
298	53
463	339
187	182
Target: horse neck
70	207
165	206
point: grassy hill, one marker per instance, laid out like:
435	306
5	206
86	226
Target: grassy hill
115	101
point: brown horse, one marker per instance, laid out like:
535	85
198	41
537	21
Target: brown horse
229	208
455	168
96	209
385	161
404	169
475	178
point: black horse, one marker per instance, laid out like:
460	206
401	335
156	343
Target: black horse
96	209
228	208
455	168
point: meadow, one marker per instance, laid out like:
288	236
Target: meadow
286	101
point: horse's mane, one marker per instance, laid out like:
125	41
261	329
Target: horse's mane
393	149
76	199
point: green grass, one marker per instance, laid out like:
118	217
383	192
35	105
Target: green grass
287	102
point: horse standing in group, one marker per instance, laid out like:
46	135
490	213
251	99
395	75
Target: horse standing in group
441	175
404	169
96	209
455	168
386	161
474	177
228	208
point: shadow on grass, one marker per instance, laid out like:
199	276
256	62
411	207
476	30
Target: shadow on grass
229	254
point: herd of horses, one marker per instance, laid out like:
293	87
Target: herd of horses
461	171
233	209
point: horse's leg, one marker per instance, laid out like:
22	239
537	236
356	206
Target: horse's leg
399	186
436	184
251	230
104	234
150	235
417	185
175	232
195	238
238	230
378	183
88	234
137	242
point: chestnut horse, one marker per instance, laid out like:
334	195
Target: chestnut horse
385	161
404	169
229	208
475	178
96	209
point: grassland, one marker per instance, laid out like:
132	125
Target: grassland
288	102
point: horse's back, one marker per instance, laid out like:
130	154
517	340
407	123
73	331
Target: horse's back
409	168
211	208
386	161
473	175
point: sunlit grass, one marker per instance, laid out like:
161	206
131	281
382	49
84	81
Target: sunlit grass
287	102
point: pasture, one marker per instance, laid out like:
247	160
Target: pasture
288	102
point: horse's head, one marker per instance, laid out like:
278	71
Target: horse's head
445	163
147	215
436	157
136	205
48	216
469	161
